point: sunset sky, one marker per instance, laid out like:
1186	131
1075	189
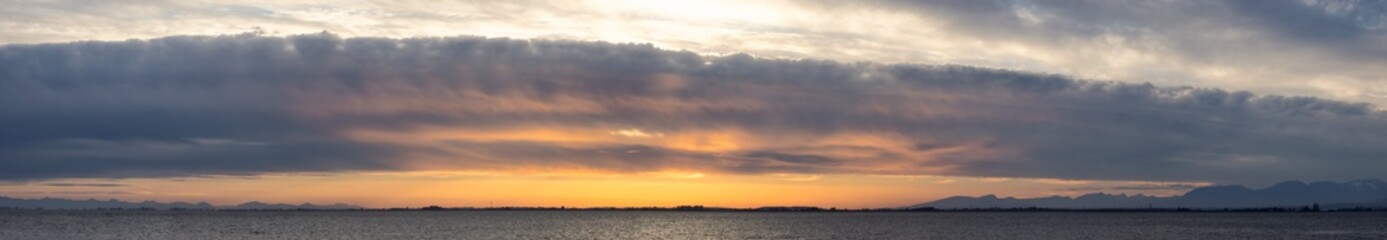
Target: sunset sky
843	104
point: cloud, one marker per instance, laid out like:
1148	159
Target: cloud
84	185
1325	48
1274	46
247	104
41	193
636	133
1138	187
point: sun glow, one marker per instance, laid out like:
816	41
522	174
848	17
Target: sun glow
551	188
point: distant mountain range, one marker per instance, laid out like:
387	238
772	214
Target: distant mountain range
1358	193
59	203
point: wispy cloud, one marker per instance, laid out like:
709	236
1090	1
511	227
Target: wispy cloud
63	184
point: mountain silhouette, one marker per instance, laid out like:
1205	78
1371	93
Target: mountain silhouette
256	205
60	203
1369	192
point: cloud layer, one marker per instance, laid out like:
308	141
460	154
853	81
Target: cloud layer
1322	47
1326	48
246	104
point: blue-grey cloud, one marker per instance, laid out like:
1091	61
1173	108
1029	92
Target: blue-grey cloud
246	104
1138	187
1193	29
1325	48
62	184
1317	47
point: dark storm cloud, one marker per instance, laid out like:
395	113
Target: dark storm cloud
245	104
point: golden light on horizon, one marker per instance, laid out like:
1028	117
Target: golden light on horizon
557	187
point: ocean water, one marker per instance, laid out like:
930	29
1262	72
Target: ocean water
685	225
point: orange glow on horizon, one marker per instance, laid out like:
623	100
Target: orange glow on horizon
567	188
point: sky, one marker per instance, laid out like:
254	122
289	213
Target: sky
661	103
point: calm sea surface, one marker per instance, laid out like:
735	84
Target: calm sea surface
684	225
